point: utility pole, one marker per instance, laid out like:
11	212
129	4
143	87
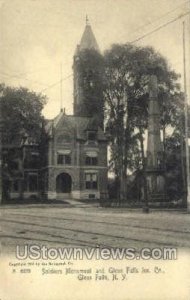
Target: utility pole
61	89
1	163
186	121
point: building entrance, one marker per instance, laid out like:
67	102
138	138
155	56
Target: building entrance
63	183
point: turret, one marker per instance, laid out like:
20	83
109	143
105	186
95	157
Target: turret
87	69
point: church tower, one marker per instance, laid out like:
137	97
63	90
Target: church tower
88	72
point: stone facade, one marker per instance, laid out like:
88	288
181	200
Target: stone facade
76	159
76	148
71	159
21	170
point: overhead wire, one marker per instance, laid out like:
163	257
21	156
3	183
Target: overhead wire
35	71
159	18
18	77
22	74
131	42
56	83
136	40
32	81
160	27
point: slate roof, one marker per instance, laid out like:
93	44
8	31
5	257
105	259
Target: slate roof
79	124
88	40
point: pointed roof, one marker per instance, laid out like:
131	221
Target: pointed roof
88	40
78	124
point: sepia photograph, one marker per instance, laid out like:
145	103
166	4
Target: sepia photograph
95	149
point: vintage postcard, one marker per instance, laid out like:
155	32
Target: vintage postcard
94	149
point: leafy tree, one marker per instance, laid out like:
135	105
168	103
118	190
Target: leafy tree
174	176
127	72
21	113
20	118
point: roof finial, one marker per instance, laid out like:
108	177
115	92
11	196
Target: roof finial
87	20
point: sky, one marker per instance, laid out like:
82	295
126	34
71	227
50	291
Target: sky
38	36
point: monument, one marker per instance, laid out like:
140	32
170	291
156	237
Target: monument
155	157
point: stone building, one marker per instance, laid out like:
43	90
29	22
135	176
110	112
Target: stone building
76	159
21	165
71	159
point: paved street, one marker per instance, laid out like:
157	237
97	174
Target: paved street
76	224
